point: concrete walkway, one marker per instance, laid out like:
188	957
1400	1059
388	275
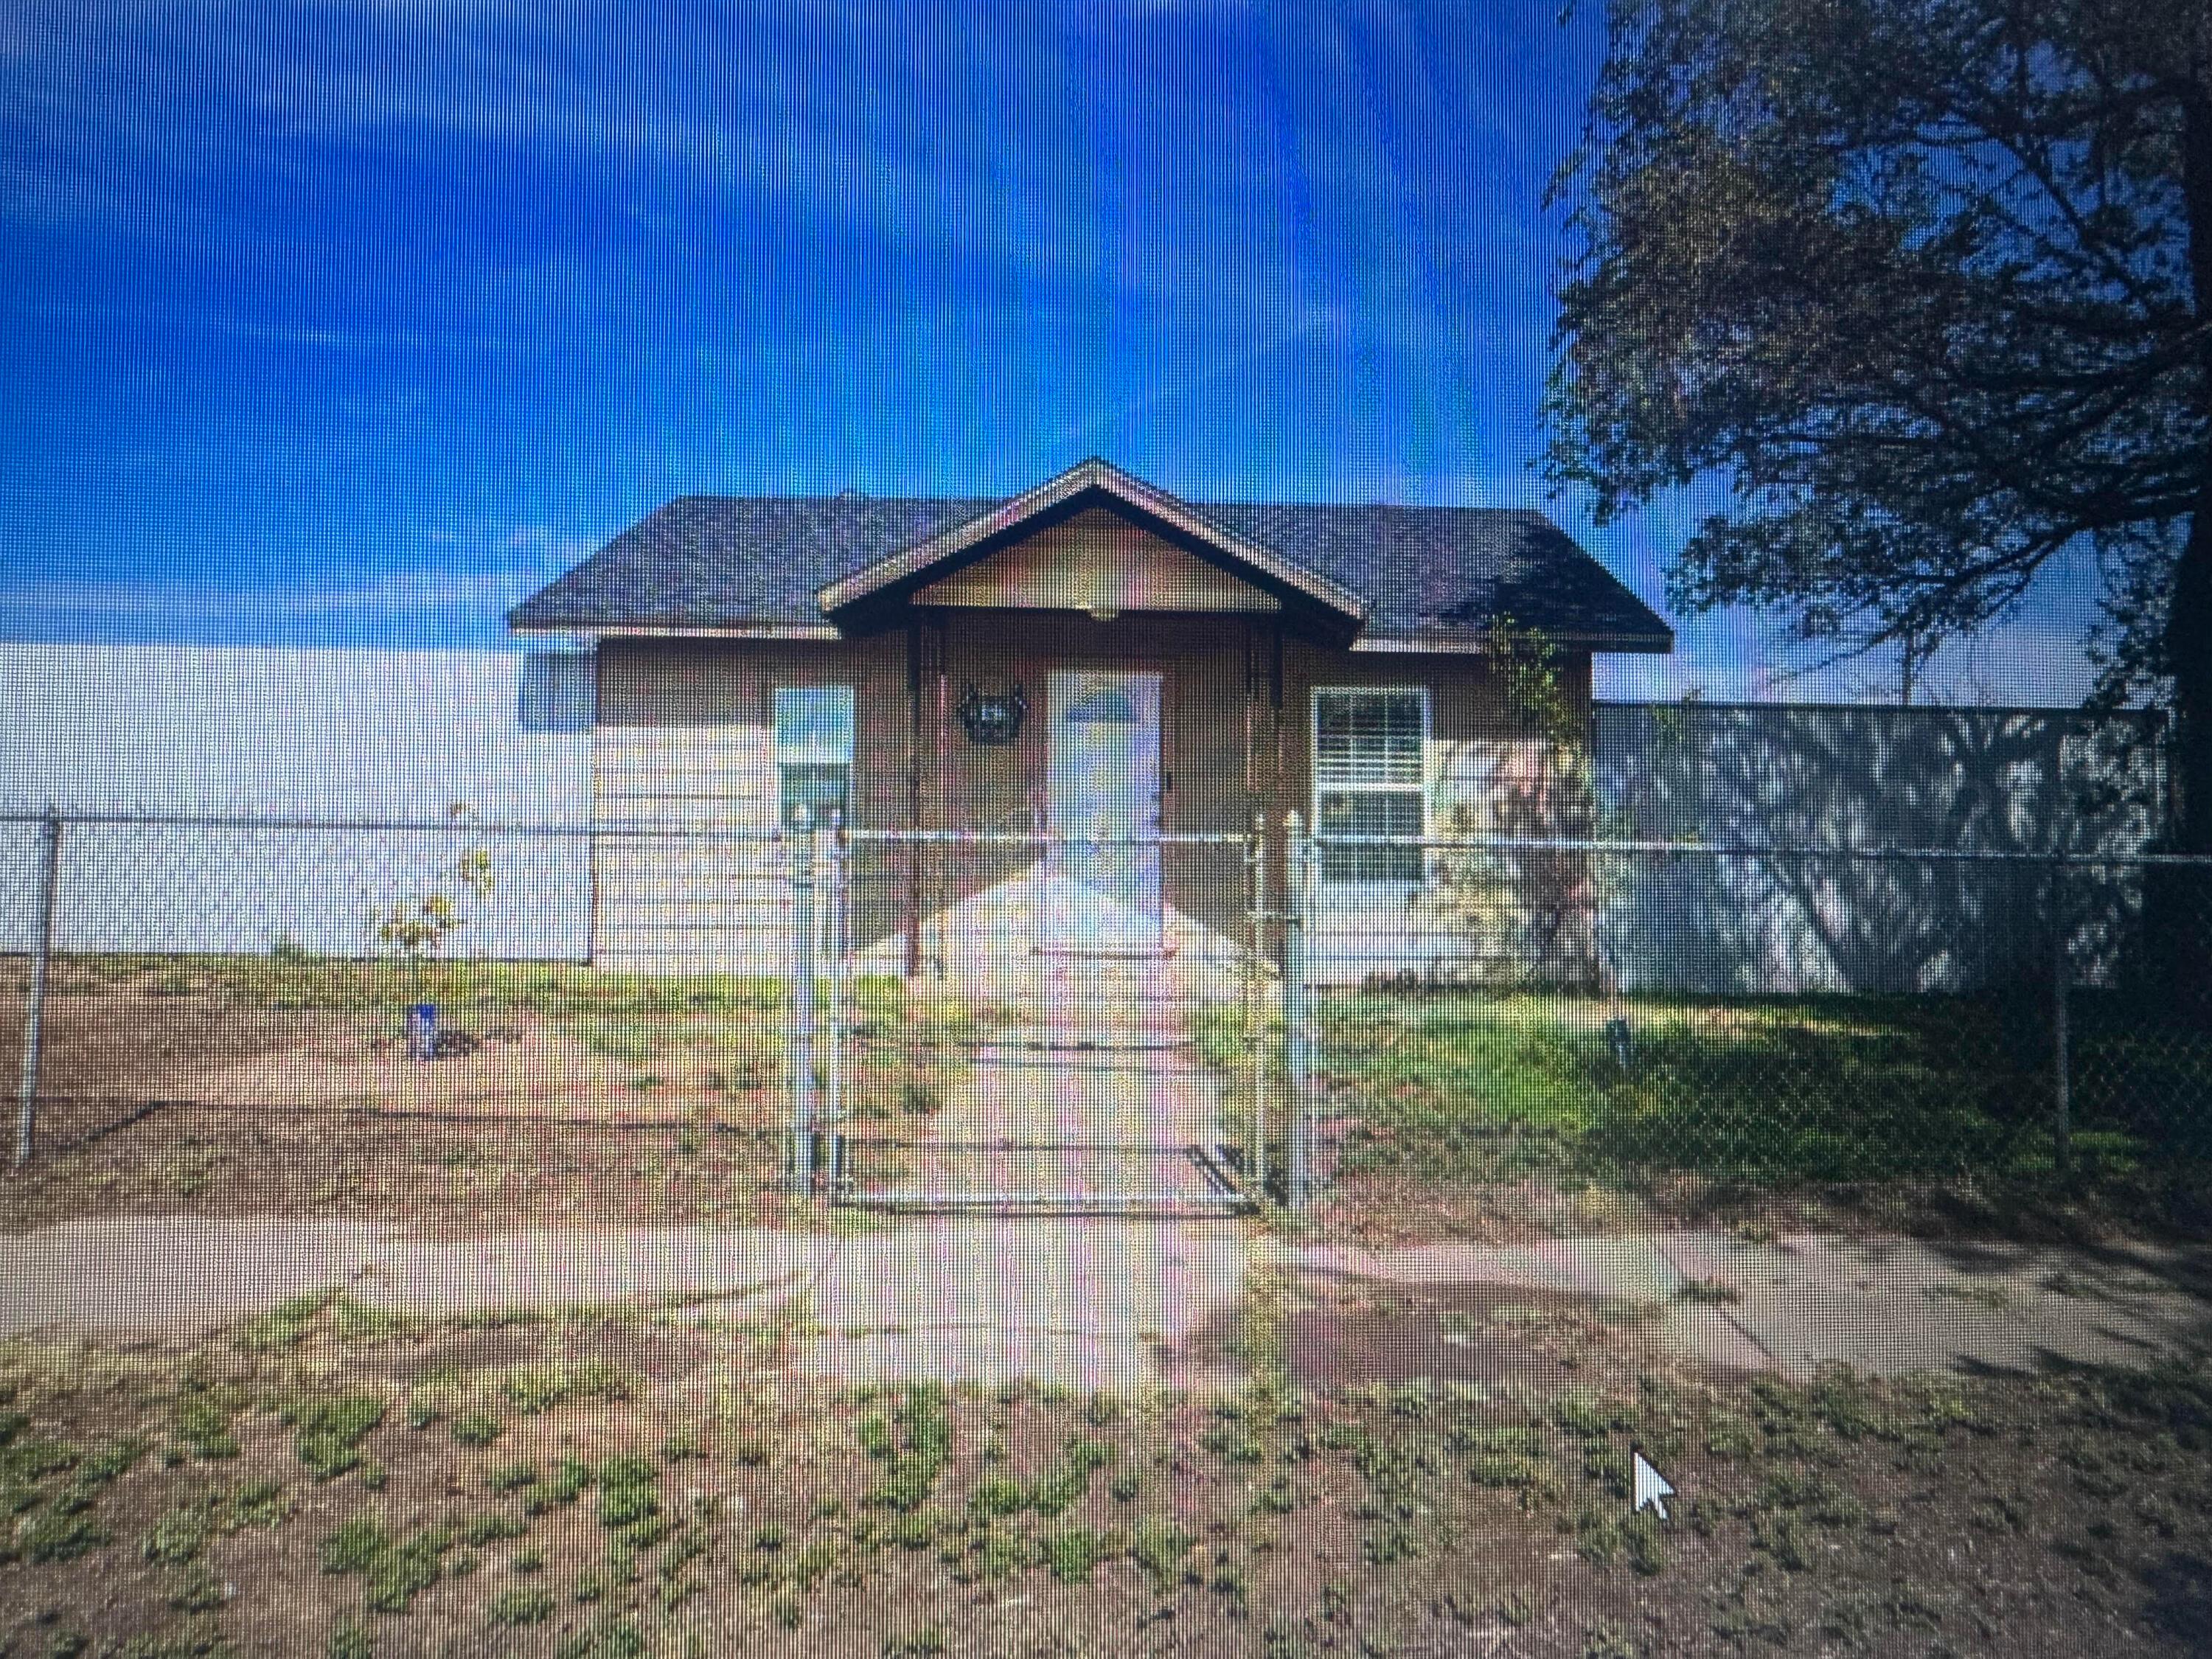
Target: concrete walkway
1091	1303
1100	1303
1100	1102
1882	1306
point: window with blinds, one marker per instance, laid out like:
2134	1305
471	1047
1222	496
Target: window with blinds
1370	778
814	751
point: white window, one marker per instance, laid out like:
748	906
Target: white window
814	751
1370	778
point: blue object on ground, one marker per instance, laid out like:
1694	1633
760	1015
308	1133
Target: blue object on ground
422	1031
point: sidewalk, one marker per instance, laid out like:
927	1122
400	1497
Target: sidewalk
1089	1302
1105	1303
1881	1306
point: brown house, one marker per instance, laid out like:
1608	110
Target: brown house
1094	657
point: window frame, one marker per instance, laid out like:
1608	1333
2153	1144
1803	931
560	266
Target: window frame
813	760
1316	786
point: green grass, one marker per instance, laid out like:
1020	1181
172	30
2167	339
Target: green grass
1826	1090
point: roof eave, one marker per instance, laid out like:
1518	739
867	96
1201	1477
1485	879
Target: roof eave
1478	644
822	632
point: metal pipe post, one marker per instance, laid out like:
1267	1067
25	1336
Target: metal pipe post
841	945
1297	1041
34	1013
1255	1011
799	1038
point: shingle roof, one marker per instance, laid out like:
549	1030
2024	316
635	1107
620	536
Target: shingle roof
1427	572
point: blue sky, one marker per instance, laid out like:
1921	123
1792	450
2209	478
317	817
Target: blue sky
350	323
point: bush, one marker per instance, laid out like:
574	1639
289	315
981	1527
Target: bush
1073	1555
478	1429
521	1607
355	1545
328	1433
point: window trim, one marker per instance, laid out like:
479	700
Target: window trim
1315	787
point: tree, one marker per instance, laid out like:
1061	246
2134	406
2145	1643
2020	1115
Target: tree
1928	283
415	929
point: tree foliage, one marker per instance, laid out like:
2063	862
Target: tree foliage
1916	279
415	929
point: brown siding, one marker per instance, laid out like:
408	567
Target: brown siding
1487	775
1097	561
685	736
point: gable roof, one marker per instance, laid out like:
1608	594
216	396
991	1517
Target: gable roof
1403	578
870	592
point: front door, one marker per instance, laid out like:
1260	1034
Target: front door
1103	780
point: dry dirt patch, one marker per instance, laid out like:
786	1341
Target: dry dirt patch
337	1481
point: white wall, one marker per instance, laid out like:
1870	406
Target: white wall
319	734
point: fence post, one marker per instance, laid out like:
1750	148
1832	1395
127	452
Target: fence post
34	1012
1255	1021
2062	1059
841	938
1297	1050
799	1040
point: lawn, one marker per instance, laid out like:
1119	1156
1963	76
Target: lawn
1526	1104
558	1094
334	1480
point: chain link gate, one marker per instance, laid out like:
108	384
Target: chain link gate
1087	1030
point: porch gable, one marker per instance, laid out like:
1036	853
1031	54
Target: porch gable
874	597
1098	562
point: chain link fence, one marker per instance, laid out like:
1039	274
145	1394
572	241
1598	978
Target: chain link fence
1506	1009
531	1021
1088	991
387	1017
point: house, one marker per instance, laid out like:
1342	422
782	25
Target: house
1092	658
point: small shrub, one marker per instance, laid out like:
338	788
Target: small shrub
570	1477
256	1504
626	1499
204	1424
1161	1548
478	1428
532	1389
400	1574
351	1640
489	1529
328	1433
521	1607
996	1495
1073	1555
180	1534
61	1535
358	1321
620	1639
196	1590
355	1545
283	1326
512	1477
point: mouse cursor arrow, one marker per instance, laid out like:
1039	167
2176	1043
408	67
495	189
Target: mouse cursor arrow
1653	1489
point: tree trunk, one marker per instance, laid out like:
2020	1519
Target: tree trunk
2178	907
2188	656
2188	618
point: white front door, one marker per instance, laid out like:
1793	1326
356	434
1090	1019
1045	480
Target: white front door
1104	767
